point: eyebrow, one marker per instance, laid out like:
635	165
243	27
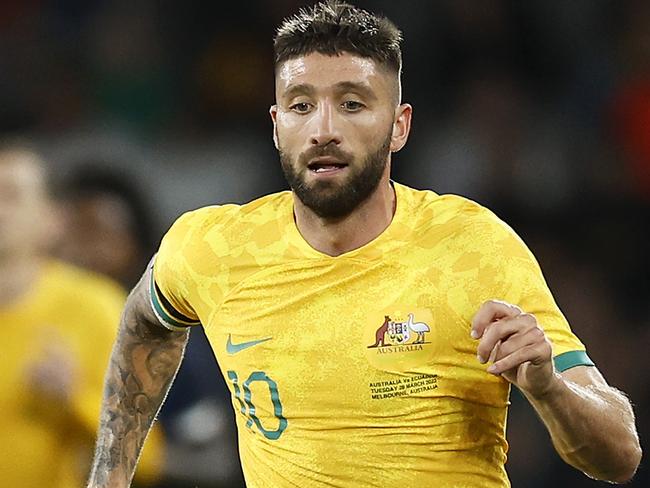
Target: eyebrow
299	89
362	89
341	87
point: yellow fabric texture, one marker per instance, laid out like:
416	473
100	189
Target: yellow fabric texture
43	442
358	370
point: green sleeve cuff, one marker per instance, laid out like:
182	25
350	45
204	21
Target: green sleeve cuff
165	311
571	359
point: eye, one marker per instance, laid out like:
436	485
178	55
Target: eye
352	105
301	108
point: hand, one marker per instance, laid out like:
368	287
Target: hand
516	345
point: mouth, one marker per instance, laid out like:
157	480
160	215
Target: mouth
325	165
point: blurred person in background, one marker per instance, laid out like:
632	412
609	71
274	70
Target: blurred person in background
109	229
306	278
59	323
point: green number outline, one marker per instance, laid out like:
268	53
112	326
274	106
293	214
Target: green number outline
252	417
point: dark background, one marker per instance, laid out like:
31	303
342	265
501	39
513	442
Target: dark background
538	109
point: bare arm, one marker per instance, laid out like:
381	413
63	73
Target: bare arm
591	424
143	364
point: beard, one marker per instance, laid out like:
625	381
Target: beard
334	200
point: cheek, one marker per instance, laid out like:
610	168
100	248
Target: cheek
290	144
373	132
290	129
375	121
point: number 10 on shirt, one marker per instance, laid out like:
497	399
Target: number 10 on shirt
248	407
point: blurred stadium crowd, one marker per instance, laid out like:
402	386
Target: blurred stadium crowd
539	110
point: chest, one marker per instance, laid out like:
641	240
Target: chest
346	326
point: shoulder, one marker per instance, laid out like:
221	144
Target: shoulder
83	284
222	218
455	213
210	238
84	303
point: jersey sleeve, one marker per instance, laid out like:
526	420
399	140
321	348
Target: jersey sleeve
171	285
521	282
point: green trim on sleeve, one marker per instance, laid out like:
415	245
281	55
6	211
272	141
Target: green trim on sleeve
165	316
571	359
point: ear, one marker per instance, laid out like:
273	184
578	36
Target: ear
401	127
273	111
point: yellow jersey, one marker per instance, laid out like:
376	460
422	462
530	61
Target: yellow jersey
42	442
359	369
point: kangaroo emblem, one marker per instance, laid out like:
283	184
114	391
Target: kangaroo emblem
381	331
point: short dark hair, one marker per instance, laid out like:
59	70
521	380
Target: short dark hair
96	178
332	27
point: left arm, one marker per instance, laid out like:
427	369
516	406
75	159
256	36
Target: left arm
591	424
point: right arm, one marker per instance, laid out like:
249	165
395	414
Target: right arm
144	362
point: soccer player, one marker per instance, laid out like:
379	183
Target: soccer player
369	332
59	323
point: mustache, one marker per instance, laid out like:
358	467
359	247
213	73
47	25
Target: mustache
328	150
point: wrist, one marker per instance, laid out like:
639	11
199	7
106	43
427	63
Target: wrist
551	390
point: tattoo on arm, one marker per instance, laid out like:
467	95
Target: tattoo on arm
143	364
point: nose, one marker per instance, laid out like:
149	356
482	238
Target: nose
326	128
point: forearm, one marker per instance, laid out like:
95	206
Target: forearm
592	428
143	364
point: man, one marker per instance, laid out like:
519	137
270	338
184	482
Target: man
59	324
348	314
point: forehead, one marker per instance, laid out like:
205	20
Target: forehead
323	71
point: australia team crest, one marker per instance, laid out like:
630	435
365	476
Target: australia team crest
392	332
400	339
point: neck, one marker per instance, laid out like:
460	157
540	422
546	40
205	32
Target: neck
17	275
365	223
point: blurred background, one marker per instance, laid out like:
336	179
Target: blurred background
539	110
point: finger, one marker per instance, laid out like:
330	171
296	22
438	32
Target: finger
489	312
497	331
519	340
496	352
535	353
